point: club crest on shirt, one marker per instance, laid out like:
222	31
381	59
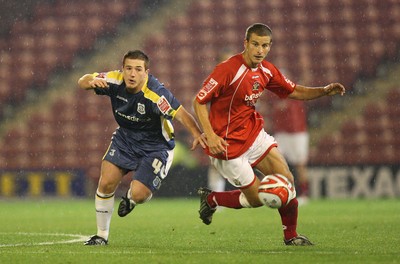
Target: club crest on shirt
255	86
141	109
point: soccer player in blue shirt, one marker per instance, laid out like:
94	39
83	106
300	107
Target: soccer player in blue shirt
144	140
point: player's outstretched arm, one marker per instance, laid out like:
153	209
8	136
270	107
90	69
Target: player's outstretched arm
215	143
307	93
186	119
87	81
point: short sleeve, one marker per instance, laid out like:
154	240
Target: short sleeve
279	84
213	84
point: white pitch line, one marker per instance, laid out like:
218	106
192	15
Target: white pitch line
75	238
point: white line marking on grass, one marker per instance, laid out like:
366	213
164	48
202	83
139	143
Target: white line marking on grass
74	238
183	252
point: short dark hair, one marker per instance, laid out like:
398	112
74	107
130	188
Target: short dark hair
137	54
259	29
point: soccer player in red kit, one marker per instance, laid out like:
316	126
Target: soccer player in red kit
290	131
237	141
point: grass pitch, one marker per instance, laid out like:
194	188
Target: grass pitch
169	231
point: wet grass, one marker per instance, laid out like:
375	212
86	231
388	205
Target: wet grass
169	231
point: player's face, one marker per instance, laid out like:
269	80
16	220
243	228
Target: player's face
256	49
134	74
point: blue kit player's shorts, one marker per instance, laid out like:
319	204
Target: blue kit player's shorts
150	165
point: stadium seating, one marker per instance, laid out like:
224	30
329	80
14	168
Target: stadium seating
49	39
370	139
69	135
326	40
330	41
316	42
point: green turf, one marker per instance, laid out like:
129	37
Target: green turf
169	231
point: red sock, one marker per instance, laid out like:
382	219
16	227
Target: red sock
228	199
303	186
289	219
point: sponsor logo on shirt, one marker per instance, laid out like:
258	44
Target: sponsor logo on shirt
210	85
252	96
207	88
164	106
132	118
251	100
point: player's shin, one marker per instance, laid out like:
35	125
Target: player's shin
230	199
289	215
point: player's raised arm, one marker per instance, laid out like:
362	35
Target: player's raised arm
88	81
308	93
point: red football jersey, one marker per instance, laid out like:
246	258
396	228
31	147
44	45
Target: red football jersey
289	116
232	90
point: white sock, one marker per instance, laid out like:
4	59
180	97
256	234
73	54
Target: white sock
243	201
104	204
128	194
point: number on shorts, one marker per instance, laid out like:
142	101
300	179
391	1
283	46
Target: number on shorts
157	165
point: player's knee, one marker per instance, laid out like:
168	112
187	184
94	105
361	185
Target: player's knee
107	186
141	197
289	176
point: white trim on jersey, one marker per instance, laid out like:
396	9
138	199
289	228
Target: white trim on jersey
240	71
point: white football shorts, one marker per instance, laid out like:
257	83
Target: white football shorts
293	146
239	171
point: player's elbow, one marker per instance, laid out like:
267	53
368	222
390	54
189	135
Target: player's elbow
83	82
194	103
